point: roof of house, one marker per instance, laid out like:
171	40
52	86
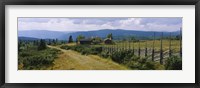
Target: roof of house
107	39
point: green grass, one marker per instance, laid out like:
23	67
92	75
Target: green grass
72	60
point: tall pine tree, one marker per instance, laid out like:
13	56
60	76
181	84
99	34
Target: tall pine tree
70	39
42	45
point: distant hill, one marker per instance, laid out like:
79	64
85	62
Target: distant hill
27	38
120	34
41	34
117	34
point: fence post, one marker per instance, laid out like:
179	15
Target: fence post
102	48
161	50
146	49
153	46
133	48
129	45
126	45
139	49
123	45
117	47
107	48
112	49
180	42
170	52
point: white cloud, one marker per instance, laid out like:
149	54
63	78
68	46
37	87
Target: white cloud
86	24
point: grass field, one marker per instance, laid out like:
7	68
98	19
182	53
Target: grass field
91	57
175	45
118	46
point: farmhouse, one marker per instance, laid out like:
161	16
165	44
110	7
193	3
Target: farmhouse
108	41
85	41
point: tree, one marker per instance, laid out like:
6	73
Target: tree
70	39
42	45
178	37
96	40
53	41
19	45
56	40
132	38
80	37
49	42
110	36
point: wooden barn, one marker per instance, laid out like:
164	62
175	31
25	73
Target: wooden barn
107	41
85	41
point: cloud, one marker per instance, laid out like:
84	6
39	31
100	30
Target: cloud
167	20
87	24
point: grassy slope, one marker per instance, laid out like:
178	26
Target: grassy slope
75	61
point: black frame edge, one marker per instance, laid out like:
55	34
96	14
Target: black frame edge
102	2
197	48
2	44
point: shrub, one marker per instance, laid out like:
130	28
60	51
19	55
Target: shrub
42	45
150	65
33	59
122	56
174	63
104	54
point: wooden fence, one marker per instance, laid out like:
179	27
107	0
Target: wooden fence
148	52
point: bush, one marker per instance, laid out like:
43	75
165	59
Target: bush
150	65
104	54
121	56
24	54
33	59
42	45
127	57
174	63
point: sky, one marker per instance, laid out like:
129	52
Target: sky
167	24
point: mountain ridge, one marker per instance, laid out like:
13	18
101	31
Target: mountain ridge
62	35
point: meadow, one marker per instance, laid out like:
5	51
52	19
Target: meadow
120	55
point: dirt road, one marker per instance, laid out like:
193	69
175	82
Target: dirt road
72	60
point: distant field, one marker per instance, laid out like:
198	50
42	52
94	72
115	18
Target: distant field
175	45
118	46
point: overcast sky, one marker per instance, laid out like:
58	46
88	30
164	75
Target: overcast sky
88	24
